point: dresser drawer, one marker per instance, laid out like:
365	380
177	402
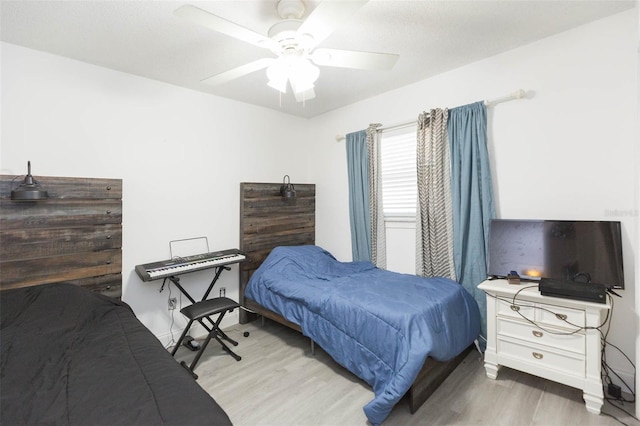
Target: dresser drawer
548	337
540	358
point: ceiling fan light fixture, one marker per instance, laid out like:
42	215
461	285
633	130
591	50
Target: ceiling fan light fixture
300	85
305	71
280	84
278	74
295	69
302	75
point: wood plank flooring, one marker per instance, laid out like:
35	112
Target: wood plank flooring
279	382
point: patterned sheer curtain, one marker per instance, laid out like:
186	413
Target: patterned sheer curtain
434	224
376	211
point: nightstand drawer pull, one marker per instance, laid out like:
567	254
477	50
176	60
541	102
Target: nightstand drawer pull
561	317
537	355
537	333
515	308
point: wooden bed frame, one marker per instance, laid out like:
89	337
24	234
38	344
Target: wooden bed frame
74	236
268	221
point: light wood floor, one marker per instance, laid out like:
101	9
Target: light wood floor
279	382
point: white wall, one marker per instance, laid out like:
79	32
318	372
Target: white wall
181	154
565	153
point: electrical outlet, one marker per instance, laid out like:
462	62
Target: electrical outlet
223	291
173	302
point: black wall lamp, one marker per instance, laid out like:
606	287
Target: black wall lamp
287	190
29	189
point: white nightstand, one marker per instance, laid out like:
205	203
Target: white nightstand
556	347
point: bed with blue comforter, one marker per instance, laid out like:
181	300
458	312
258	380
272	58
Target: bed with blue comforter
380	325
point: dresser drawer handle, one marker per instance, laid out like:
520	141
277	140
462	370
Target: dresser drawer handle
561	317
515	308
537	355
537	333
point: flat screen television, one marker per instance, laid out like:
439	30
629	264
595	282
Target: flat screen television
579	251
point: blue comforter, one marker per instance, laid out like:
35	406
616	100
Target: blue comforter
380	325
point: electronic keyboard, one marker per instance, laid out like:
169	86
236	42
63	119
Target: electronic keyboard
182	265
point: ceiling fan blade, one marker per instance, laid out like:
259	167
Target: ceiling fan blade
304	96
354	59
221	25
240	71
328	16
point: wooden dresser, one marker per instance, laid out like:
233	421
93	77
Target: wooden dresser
545	336
74	236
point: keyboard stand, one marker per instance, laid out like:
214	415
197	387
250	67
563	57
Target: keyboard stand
174	279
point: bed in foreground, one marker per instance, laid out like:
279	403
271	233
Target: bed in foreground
380	325
72	356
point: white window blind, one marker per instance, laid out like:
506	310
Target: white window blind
398	164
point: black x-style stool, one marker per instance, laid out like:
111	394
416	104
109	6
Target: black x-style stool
206	309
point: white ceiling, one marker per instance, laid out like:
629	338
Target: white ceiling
144	38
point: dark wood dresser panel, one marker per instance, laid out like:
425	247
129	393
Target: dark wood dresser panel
74	236
267	220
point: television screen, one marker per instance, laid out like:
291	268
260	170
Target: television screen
580	251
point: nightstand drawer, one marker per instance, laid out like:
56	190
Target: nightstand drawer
541	359
518	310
549	337
544	314
556	315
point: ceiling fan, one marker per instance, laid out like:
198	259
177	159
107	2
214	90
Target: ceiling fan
294	42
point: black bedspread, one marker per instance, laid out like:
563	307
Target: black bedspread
70	356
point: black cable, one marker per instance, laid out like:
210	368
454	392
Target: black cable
614	418
607	370
611	402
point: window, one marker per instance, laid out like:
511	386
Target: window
398	172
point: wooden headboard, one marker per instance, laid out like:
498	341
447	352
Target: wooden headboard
74	236
267	221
